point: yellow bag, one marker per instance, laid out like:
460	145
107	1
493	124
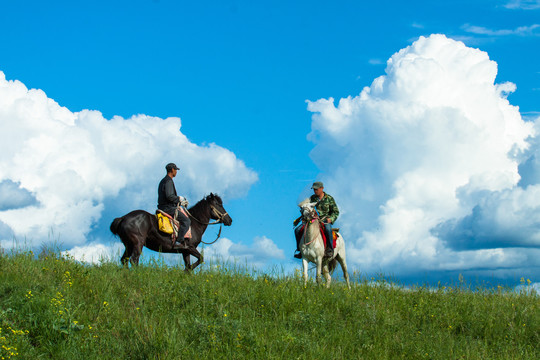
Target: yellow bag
164	223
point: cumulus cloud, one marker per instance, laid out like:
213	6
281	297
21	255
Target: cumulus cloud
425	166
61	170
95	253
261	253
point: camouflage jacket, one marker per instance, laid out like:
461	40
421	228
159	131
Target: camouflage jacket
326	207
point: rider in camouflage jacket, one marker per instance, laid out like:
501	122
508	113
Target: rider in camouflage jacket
328	213
326	207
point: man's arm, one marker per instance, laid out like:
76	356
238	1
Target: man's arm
334	211
170	193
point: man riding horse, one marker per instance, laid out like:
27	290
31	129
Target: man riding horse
168	200
328	213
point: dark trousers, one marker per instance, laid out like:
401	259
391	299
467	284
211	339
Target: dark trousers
298	232
329	236
185	223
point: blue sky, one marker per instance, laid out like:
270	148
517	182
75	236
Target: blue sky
239	74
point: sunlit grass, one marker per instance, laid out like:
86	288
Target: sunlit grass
53	307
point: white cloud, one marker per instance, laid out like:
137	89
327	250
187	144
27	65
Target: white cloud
523	4
532	288
63	167
95	253
418	156
260	254
519	31
375	62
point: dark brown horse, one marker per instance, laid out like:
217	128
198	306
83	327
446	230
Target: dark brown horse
140	228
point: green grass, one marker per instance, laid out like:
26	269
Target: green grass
56	308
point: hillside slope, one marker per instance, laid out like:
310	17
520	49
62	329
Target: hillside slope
59	309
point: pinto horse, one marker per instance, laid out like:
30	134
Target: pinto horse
140	228
312	247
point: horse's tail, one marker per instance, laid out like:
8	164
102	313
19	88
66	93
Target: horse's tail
115	225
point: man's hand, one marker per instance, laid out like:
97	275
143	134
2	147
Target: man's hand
183	201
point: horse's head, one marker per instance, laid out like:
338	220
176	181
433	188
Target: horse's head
218	212
308	210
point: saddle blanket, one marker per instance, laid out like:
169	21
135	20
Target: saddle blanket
168	225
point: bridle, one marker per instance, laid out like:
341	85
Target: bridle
311	220
218	214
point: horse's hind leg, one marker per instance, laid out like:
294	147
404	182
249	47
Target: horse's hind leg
343	264
127	252
136	250
125	258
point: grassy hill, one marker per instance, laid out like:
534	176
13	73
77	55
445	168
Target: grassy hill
56	308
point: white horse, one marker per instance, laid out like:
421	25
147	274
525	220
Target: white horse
312	247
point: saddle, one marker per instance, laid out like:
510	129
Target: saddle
170	226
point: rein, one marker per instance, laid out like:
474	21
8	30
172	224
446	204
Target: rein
218	235
305	230
220	217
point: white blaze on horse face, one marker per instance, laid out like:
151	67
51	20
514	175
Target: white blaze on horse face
307	209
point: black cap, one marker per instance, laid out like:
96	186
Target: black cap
171	166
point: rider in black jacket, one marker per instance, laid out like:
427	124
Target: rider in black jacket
168	200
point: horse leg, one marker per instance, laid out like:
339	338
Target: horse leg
319	269
343	263
327	276
137	250
127	252
305	268
197	255
187	262
125	258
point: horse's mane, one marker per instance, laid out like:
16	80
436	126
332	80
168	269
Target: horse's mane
202	204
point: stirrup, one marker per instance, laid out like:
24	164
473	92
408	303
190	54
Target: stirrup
297	254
